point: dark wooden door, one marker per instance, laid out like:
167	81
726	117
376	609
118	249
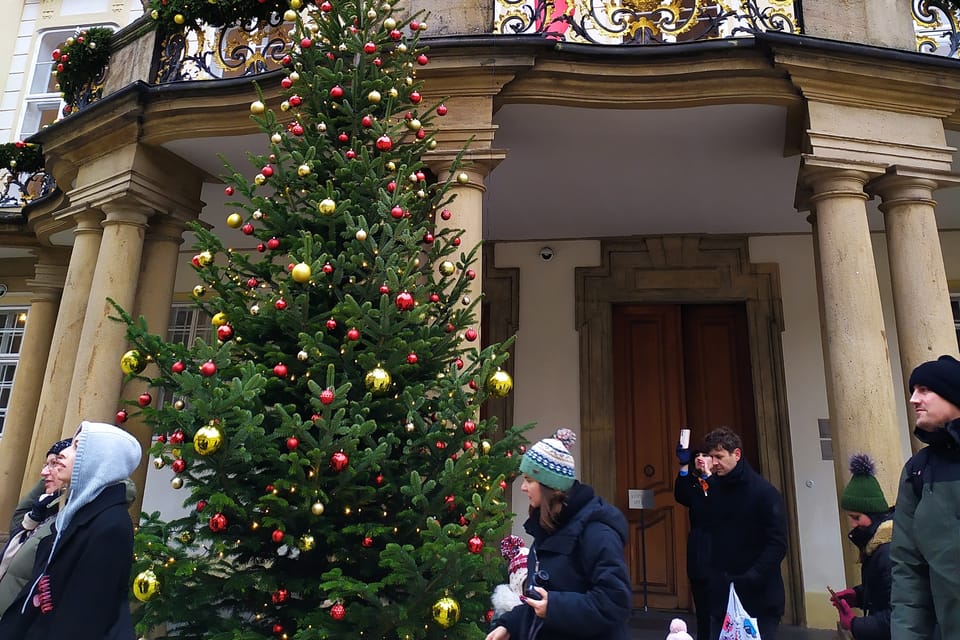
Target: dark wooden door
675	366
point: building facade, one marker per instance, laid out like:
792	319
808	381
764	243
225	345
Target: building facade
693	215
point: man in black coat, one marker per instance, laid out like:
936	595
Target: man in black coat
747	525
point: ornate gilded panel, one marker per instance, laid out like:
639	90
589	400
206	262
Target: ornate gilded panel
936	25
644	21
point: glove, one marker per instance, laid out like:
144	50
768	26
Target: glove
847	595
41	504
683	455
846	614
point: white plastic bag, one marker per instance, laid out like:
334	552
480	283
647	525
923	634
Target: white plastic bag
737	624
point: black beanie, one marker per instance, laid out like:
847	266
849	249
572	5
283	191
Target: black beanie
942	376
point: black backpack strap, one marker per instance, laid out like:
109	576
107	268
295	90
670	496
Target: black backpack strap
915	471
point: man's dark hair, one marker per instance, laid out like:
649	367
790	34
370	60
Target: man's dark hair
722	438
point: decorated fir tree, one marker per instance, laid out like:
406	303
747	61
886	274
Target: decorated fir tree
340	479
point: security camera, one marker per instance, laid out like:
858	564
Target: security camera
546	254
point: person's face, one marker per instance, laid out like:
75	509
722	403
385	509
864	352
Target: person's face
724	461
932	410
65	458
51	482
858	519
703	462
531	487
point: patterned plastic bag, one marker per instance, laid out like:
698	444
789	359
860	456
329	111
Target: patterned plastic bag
737	624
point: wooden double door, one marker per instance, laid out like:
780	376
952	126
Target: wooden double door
675	366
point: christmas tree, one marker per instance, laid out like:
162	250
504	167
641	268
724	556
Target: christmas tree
340	479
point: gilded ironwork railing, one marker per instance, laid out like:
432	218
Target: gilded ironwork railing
937	26
644	21
245	49
19	188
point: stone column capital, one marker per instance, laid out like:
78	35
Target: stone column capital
827	182
476	165
125	212
903	185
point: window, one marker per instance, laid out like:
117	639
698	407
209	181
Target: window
955	307
187	323
12	323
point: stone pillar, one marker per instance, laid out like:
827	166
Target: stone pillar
161	252
863	415
921	298
97	379
48	423
47	287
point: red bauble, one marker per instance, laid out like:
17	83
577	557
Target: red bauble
391	186
422	59
471	274
273	243
269	488
295	100
414	25
445	214
277	536
201	505
326	6
177	367
379	479
428	238
366	121
488	616
224	332
296	129
331	324
343	137
161	438
280	304
353	334
384	143
350	154
475	544
292	443
503	485
472	384
415	97
228	191
178	465
459	363
469	427
277	629
261	247
208	368
395	35
176	437
412	358
339	461
286	60
451	502
377	62
370	47
218	522
397	212
421	134
144	399
384	289
56	54
470	335
327	268
442	110
405	301
456	242
450	328
306	43
121	416
280	370
468	445
252	282
367	542
337	611
440	444
336	92
280	596
434	297
286	83
267	171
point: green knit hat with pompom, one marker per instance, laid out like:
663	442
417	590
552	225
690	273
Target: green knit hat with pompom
863	493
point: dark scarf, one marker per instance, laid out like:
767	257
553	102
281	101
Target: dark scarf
576	499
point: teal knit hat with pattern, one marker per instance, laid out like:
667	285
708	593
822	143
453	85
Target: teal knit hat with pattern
549	461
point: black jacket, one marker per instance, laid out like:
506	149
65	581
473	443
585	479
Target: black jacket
873	592
688	491
589	593
747	526
89	578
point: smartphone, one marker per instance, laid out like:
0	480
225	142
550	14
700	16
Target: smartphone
833	594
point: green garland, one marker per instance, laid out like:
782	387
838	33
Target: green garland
20	157
175	15
80	61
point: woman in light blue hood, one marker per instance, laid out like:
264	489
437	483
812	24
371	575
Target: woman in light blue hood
82	572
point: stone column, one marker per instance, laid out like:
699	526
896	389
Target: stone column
863	415
48	422
47	287
97	379
153	301
921	298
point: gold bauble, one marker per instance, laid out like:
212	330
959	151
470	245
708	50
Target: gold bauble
361	235
301	272
485	446
446	611
327	206
185	537
158	463
234	220
463	178
295	4
389	23
145	585
199	291
259	179
257	107
179	405
176	482
414	124
132	362
374	97
219	319
499	384
402	48
179	19
276	138
207	440
155	14
289	15
303	170
377	380
392	92
317	508
306	542
447	268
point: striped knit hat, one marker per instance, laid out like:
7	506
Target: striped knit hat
549	461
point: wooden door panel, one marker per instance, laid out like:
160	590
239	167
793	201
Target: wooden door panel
648	381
